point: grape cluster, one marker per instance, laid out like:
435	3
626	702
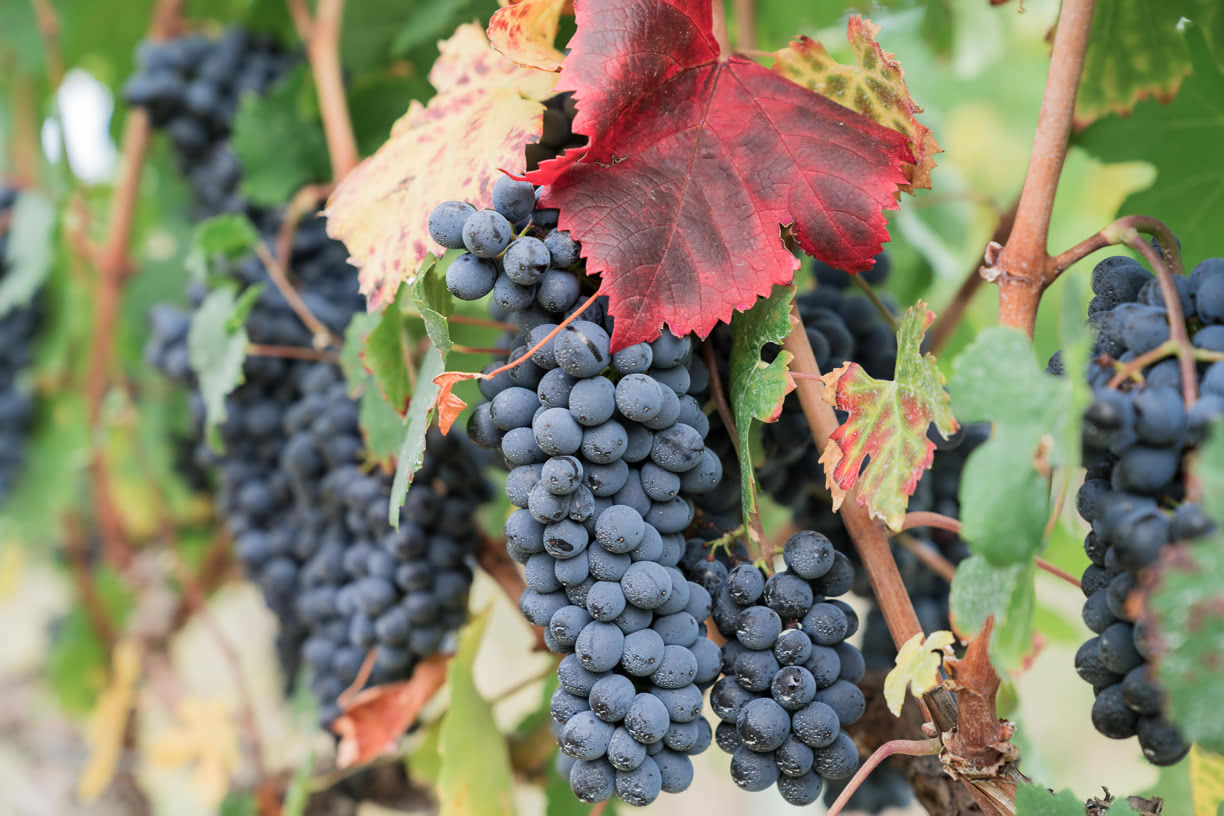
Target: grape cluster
788	686
310	525
1135	438
605	453
191	87
17	331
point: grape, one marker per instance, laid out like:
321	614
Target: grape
511	296
555	388
745	584
541	607
793	647
642	785
808	554
593	401
845	699
606	600
1161	742
1117	648
838	580
826	624
592	782
624	752
526	260
755	669
486	233
582	348
753	771
763	725
670	351
1111	716
599	646
1160	414
794	758
675	769
446	223
604	444
793	687
646	584
758	627
791	597
567	622
557	432
1089	666
513	199
557	291
647	719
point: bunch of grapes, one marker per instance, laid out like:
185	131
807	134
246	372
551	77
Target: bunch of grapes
788	686
605	453
191	86
18	327
1136	437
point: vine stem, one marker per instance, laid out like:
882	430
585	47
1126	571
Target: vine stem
889	317
923	518
292	353
25	140
745	24
755	532
927	747
323	336
930	557
1057	572
322	38
1021	269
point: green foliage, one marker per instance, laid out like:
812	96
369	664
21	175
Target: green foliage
55	460
298	793
382	427
78	662
376	102
981	589
420	414
1177	138
433	301
758	389
281	146
221	238
29	250
216	347
1032	800
355	373
1188	605
387	356
475	775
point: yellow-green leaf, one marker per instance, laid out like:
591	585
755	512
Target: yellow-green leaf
205	738
108	722
917	668
1207	781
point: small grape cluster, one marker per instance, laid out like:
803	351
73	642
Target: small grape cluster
18	327
605	453
1136	438
788	687
361	584
191	87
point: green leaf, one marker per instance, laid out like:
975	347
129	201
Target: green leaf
29	250
420	414
78	662
298	793
888	422
375	103
1032	800
355	335
979	590
281	148
386	357
1188	605
475	777
216	348
381	426
52	477
228	236
239	804
1004	501
757	388
424	764
1176	138
434	301
430	21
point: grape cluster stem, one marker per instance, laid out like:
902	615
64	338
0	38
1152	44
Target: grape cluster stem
927	747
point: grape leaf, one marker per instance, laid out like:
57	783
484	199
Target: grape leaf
108	721
298	793
981	590
434	302
449	404
281	149
355	335
386	357
1188	606
205	737
378	716
475	776
1034	800
1207	777
76	661
420	414
216	348
696	160
758	389
1174	138
28	250
229	236
382	427
525	31
917	668
485	110
888	421
875	88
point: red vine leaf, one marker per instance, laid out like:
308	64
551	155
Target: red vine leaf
524	33
450	406
888	421
875	87
697	160
376	718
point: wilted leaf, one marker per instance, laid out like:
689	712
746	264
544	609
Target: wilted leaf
108	721
696	161
917	668
28	249
420	414
205	737
525	31
1207	779
216	348
888	421
376	718
475	776
874	88
757	388
456	147
449	405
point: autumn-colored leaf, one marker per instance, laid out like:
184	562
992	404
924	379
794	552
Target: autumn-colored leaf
524	32
205	737
486	109
1207	781
108	721
888	421
917	668
696	161
376	718
875	88
449	405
